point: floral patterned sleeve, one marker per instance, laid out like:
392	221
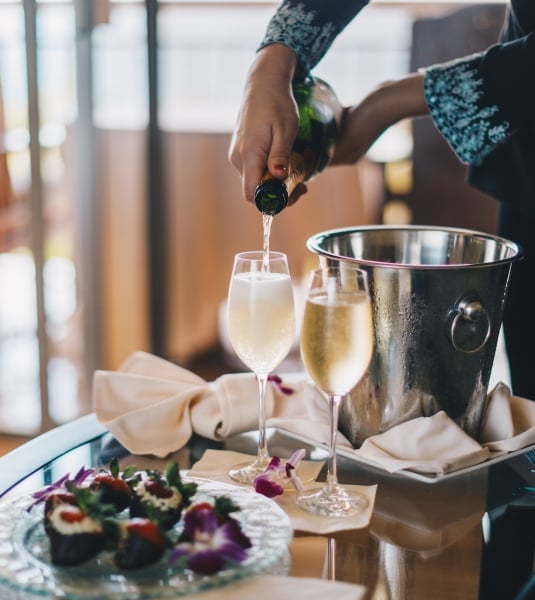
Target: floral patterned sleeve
478	101
309	27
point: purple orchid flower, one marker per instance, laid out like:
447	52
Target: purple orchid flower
208	542
277	474
60	485
278	384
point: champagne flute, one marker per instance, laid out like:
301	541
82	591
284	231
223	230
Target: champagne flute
336	347
261	327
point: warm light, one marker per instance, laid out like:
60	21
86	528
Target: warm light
398	177
397	212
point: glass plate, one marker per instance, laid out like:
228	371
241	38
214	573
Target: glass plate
26	570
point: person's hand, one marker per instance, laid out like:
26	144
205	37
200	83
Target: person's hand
268	118
363	123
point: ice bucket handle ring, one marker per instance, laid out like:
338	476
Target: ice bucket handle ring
469	309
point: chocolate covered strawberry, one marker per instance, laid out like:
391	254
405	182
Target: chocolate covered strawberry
56	499
160	498
140	543
113	486
75	537
78	526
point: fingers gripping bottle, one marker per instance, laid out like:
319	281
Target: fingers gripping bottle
320	114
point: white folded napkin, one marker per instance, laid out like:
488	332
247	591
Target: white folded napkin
434	444
153	406
437	445
509	421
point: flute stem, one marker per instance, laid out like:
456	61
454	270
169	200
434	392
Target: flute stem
262	454
334	405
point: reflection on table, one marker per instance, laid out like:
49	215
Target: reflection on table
466	537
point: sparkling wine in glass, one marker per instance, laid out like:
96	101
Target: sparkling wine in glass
261	327
336	346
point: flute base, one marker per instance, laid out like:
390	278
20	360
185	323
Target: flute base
332	501
246	473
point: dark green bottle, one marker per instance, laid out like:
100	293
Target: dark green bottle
319	120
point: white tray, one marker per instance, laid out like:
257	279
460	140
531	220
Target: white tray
425	478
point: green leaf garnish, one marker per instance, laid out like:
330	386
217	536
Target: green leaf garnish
224	506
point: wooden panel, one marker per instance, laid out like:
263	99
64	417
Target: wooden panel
209	223
124	246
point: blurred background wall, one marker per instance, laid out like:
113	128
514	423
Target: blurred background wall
119	212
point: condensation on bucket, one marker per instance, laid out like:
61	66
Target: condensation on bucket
438	296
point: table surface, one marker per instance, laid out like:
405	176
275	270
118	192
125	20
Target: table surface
470	536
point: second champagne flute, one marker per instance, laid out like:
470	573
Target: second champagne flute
261	327
336	346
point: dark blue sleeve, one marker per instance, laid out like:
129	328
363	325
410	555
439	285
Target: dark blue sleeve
478	101
309	27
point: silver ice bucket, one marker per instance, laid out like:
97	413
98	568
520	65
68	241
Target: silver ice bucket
438	296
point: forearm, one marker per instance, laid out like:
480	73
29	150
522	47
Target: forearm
393	101
386	105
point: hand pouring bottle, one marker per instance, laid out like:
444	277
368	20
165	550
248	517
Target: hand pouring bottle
320	114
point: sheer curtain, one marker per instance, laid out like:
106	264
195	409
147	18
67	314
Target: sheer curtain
6	194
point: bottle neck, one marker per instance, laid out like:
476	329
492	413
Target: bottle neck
272	195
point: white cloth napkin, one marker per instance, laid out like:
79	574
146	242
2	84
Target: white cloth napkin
509	421
434	444
153	406
215	465
437	445
267	587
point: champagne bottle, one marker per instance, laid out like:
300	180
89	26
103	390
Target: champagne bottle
319	119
